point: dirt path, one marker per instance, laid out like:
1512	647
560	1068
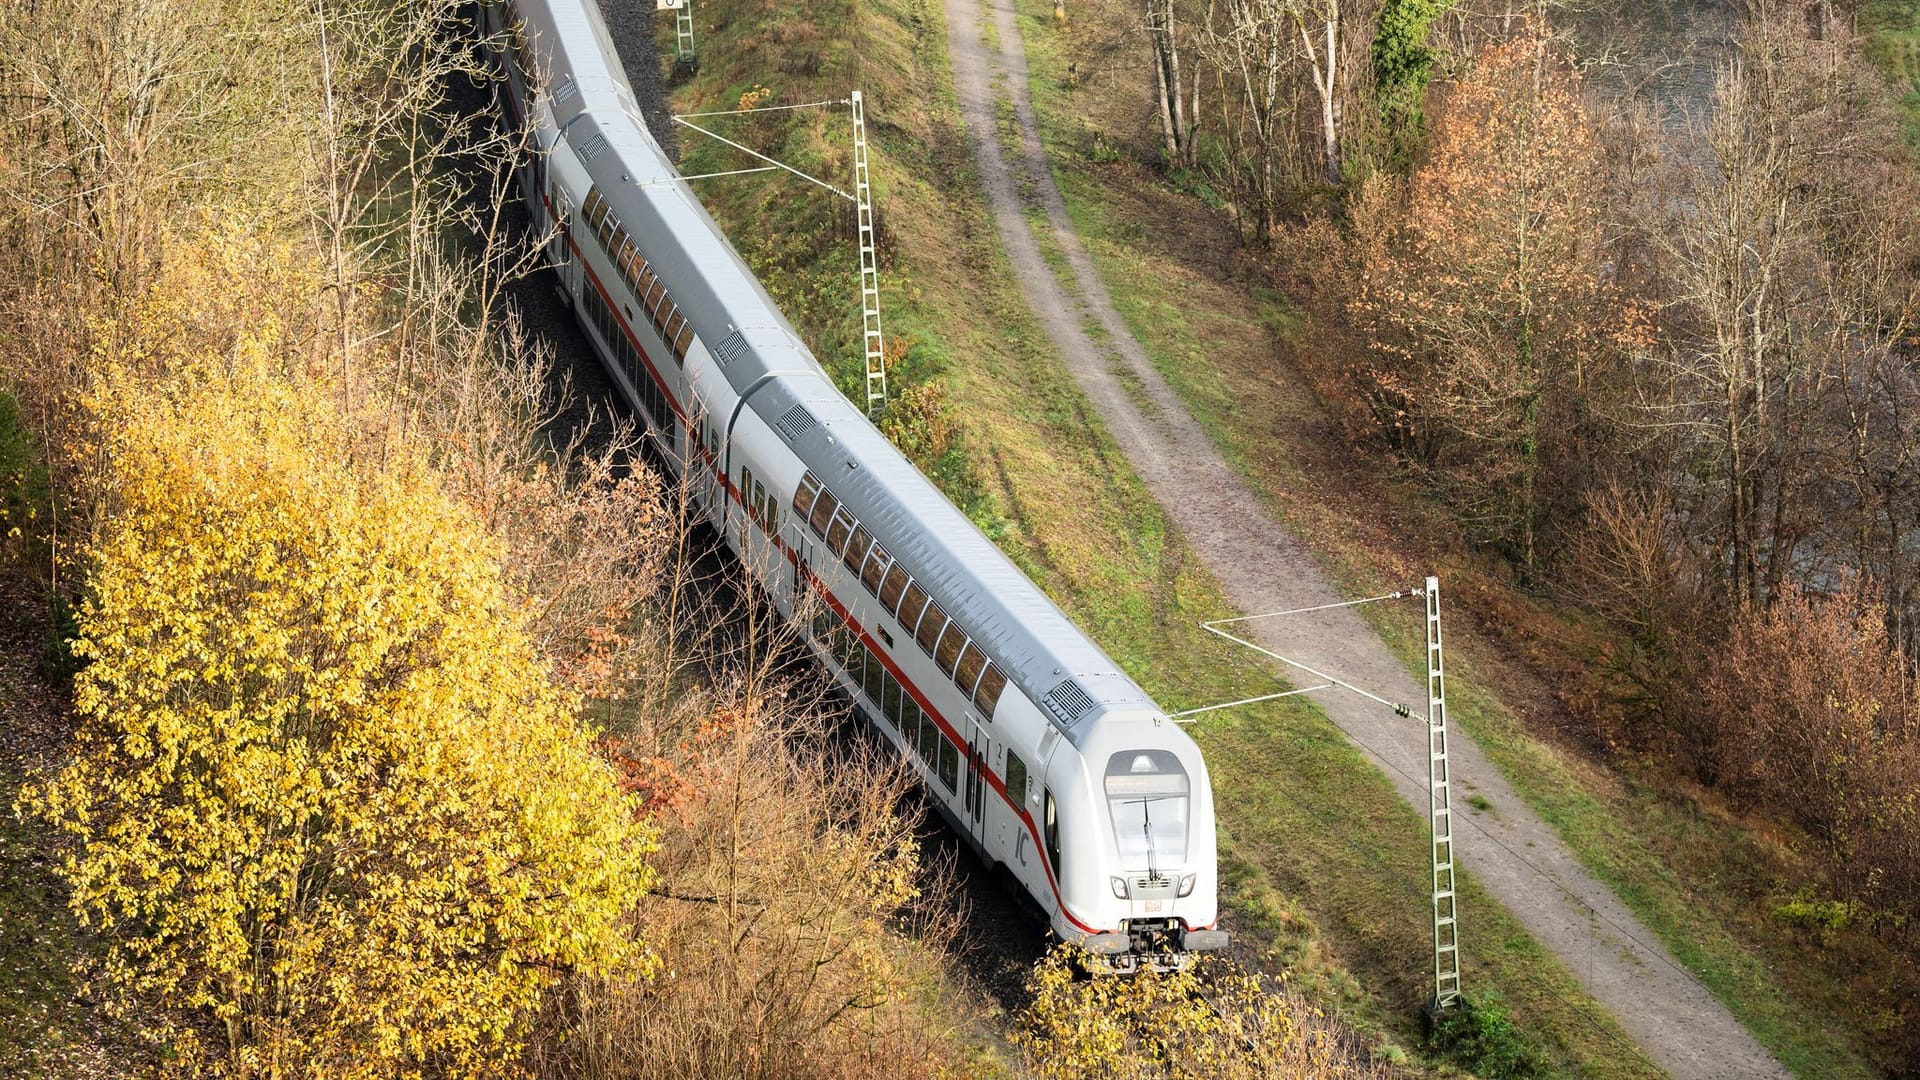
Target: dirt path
1678	1024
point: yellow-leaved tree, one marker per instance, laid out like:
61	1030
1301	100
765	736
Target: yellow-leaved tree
326	807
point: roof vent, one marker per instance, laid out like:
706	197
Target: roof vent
1068	701
731	349
796	422
592	147
565	90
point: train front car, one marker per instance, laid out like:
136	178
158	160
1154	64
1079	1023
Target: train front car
1129	814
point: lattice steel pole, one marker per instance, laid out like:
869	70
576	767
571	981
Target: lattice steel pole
1446	931
683	30
869	268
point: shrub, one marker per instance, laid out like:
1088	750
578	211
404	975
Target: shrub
1211	1020
1481	1036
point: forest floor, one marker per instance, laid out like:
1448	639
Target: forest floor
1262	567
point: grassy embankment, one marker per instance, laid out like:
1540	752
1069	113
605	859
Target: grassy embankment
1704	881
1892	29
1325	864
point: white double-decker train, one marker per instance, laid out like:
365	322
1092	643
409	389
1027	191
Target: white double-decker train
1031	742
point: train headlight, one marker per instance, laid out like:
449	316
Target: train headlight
1186	884
1119	887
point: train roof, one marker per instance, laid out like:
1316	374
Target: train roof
1018	627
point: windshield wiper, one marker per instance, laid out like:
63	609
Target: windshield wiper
1146	826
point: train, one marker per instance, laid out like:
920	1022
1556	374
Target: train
1036	748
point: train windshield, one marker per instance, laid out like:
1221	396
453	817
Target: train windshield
1147	794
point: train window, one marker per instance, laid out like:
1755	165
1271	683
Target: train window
892	587
1053	834
948	650
653	299
857	550
676	322
838	532
912	606
929	734
1147	795
643	281
928	633
851	651
635	267
949	763
1016	781
873	680
745	485
987	695
623	253
803	495
876	566
890	699
823	508
760	505
683	342
968	671
595	206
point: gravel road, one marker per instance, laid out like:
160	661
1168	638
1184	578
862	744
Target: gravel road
1676	1022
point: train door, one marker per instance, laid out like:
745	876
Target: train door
558	252
978	746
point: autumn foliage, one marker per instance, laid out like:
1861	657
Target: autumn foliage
1210	1020
1480	284
324	794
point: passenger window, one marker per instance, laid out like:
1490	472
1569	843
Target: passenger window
857	550
968	672
683	342
876	566
949	763
892	587
931	624
872	683
890	702
803	495
1016	781
838	532
929	735
675	323
823	508
653	298
912	606
948	651
746	490
987	695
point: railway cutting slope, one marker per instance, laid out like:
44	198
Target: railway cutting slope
1677	1023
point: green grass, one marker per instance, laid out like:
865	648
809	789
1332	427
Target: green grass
1892	32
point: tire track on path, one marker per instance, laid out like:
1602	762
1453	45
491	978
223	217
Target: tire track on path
1677	1023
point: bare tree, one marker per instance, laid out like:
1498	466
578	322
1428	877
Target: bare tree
1176	101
